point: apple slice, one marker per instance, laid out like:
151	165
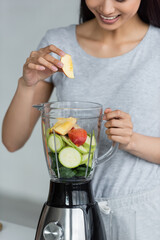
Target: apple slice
77	136
67	65
63	125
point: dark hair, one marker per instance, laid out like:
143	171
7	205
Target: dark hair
149	12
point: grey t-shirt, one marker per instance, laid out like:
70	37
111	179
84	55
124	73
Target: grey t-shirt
131	83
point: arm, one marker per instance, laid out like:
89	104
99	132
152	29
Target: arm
21	118
145	147
120	129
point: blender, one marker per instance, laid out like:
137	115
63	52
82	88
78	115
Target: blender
71	132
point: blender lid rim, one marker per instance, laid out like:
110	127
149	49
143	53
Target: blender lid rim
94	105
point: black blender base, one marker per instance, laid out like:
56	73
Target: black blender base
70	220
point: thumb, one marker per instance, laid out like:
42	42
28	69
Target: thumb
107	110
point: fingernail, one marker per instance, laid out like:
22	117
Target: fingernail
60	64
62	53
42	68
54	68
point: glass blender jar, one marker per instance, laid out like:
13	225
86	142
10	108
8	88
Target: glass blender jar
71	132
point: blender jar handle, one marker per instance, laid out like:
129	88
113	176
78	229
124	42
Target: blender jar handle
109	154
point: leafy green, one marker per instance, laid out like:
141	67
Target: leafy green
79	171
67	172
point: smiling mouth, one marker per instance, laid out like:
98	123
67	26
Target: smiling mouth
109	18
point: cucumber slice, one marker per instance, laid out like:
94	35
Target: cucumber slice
92	149
59	142
67	140
69	157
88	141
81	148
85	159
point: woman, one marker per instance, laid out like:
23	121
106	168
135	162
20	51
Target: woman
116	56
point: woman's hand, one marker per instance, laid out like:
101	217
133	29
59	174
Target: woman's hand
119	127
41	65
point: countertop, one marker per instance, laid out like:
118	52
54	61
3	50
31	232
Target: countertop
13	231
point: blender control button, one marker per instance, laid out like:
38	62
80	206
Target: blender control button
53	231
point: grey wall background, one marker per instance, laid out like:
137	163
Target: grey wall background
24	179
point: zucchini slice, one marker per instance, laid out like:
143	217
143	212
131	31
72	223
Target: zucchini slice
88	140
81	149
69	157
85	159
59	142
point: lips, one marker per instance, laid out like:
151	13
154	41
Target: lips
109	19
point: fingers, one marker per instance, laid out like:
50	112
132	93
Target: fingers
41	65
33	54
40	60
54	49
123	141
115	114
118	123
54	61
36	67
47	64
119	126
119	132
107	110
122	136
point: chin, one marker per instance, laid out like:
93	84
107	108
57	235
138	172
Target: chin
109	27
